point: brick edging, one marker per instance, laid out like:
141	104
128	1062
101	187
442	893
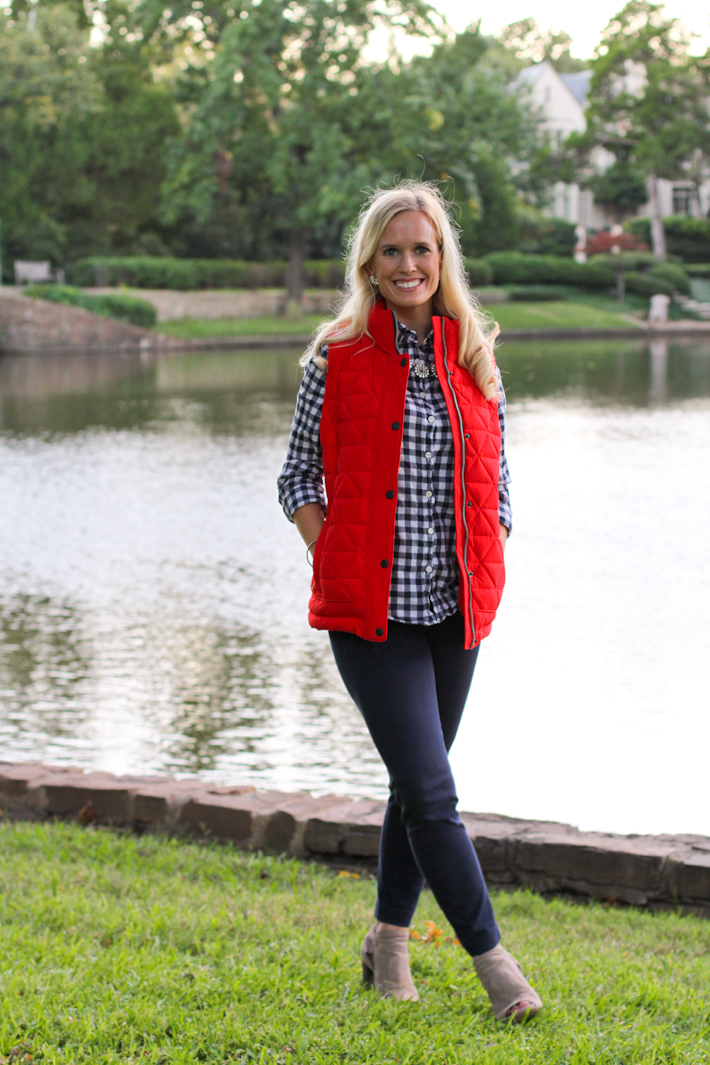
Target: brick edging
659	872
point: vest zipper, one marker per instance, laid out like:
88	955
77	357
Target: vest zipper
463	481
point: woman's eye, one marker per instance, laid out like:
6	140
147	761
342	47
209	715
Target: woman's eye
422	250
390	252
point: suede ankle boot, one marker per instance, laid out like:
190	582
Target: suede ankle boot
385	962
512	998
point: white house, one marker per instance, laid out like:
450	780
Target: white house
561	99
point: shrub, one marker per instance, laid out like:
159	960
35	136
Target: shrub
685	236
647	284
698	269
145	271
647	264
626	260
538	293
513	267
127	308
539	235
674	274
479	272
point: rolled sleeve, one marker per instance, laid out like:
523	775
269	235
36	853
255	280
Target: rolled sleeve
301	479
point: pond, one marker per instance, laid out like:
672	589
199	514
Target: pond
153	597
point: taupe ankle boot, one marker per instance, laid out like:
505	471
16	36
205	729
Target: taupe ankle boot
512	998
385	962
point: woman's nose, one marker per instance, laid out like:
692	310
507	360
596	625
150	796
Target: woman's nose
408	263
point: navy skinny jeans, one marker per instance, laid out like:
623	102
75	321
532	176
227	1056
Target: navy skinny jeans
411	690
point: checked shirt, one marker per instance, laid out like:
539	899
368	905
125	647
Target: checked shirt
425	572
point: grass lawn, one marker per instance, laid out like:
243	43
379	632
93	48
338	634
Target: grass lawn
562	314
224	327
124	950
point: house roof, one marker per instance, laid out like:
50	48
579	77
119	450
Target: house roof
578	84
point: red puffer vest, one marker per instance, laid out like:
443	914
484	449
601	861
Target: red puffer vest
361	434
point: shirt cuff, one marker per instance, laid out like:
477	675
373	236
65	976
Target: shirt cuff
299	495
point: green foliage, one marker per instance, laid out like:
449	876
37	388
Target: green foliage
648	102
191	274
479	272
516	268
685	236
626	260
698	269
119	949
540	235
127	308
82	135
647	284
620	188
529	44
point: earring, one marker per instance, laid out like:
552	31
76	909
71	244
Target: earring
373	280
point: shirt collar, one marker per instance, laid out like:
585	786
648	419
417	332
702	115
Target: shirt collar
408	344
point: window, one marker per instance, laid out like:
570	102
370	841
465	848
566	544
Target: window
683	199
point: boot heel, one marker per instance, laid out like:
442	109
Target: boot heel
368	975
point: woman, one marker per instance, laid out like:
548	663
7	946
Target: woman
401	411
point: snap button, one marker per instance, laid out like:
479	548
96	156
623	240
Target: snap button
427	454
379	632
469	504
428	495
402	362
430	531
431	418
384	563
395	425
428	569
468	436
390	494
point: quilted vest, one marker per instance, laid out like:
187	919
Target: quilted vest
361	436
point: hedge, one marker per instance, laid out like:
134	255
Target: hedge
127	308
479	272
647	284
685	236
145	271
514	267
698	269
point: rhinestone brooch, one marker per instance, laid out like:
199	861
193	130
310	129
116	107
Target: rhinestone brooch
421	368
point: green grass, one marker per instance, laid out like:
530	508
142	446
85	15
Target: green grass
562	314
190	328
117	949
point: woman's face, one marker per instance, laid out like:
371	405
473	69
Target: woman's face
406	263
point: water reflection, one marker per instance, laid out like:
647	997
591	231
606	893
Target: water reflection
45	664
152	597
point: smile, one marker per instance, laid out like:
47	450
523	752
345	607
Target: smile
409	284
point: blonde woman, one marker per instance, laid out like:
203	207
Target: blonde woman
401	413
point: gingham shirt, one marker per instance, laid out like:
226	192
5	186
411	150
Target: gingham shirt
425	572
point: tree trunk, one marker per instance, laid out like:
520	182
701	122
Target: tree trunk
295	274
658	236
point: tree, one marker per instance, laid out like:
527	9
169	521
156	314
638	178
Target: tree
46	88
648	101
298	114
529	44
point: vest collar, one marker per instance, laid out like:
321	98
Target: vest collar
382	327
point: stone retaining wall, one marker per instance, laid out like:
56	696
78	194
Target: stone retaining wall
659	872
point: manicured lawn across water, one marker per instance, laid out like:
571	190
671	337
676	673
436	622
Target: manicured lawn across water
117	949
560	314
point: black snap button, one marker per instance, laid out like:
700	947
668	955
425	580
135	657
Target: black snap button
390	494
395	425
379	632
468	436
384	563
469	504
403	362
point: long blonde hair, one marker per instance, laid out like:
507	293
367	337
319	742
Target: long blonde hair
453	298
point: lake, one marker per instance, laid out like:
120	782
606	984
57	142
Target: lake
153	597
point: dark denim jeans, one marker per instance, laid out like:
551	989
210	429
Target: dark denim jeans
411	691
